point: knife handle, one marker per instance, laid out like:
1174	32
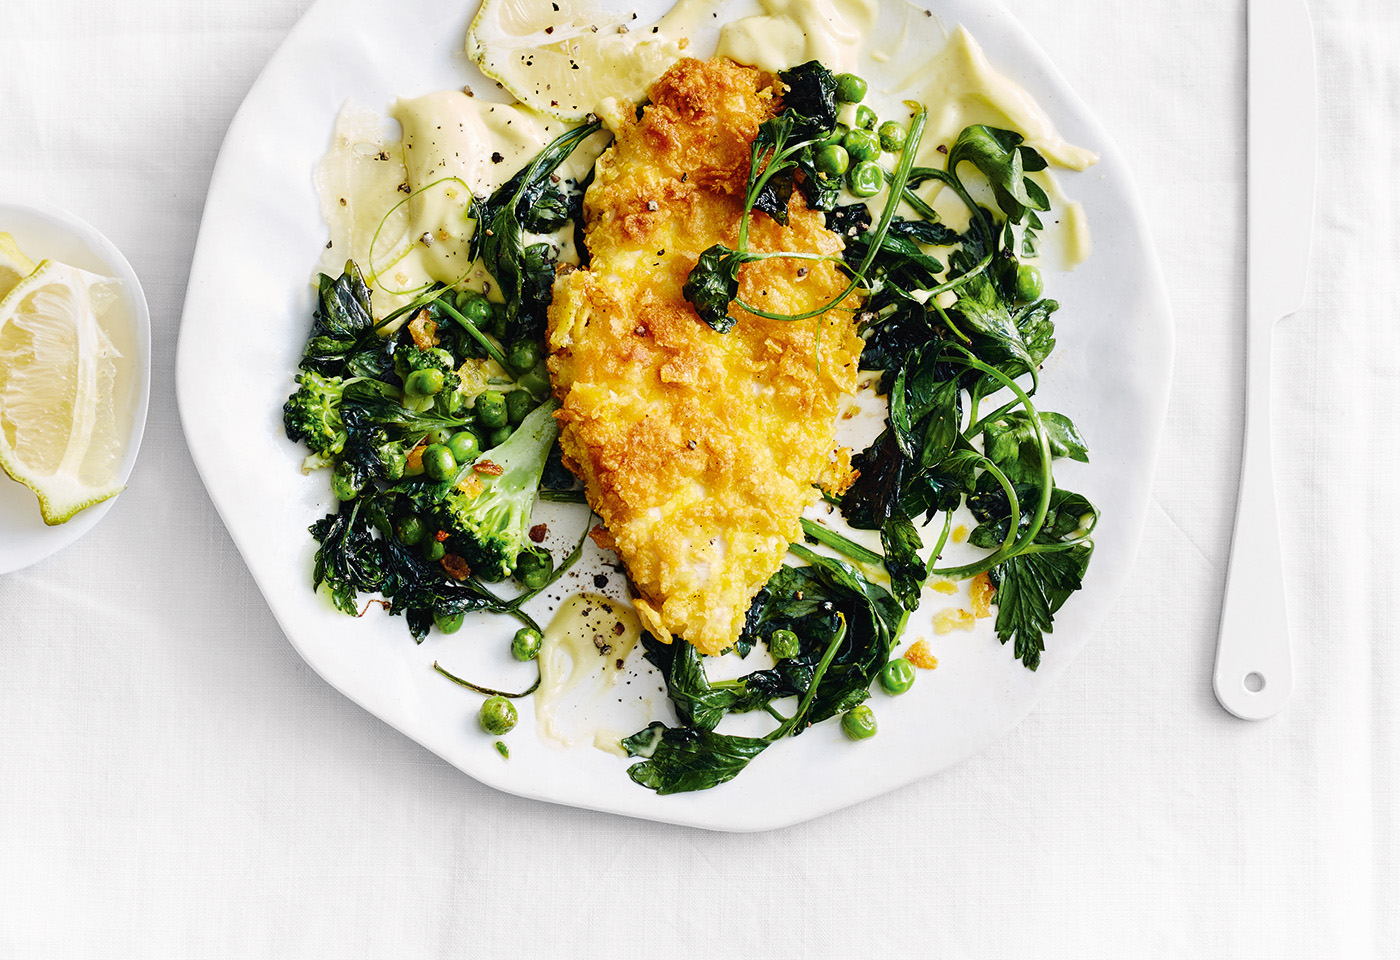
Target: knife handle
1254	658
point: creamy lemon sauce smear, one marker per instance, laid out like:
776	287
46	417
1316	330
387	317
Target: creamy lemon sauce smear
582	658
409	196
399	205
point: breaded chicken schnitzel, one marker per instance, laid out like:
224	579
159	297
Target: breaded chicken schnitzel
699	450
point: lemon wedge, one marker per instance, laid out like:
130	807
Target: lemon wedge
59	425
565	57
14	265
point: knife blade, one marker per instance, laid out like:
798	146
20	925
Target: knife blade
1254	659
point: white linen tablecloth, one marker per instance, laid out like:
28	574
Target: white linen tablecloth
176	782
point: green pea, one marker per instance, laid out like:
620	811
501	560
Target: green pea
526	643
394	461
1029	285
859	723
464	446
475	307
498	321
499	436
783	644
866	179
523	355
533	568
439	436
519	403
497	716
491	409
433	549
837	134
411	530
850	88
344	483
448	622
866	118
897	676
438	462
862	145
452	403
832	160
892	136
424	383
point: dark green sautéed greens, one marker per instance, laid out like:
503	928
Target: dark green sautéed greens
958	338
427	527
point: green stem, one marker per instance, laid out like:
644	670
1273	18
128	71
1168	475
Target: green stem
1047	482
412	306
1005	408
559	571
897	181
773	712
374	239
791	723
475	334
563	496
839	543
487	690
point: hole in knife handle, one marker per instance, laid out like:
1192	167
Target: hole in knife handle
1254	681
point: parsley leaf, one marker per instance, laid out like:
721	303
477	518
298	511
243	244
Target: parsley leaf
1004	162
1010	440
1031	588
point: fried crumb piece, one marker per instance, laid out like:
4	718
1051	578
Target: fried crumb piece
538	532
488	468
456	567
602	538
944	586
469	484
946	621
982	592
920	655
423	329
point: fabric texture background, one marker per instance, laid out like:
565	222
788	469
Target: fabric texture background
176	782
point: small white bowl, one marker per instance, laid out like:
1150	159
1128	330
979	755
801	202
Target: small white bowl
43	231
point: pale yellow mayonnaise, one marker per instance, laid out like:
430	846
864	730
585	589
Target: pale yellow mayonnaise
786	33
415	190
399	206
960	87
582	660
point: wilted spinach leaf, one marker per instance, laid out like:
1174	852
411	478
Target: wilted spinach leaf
713	285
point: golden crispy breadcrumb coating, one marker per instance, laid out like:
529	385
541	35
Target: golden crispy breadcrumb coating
698	450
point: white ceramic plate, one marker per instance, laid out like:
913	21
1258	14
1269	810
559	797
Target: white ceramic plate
44	231
247	316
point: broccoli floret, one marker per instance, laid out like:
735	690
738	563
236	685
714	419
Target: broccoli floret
408	359
488	516
312	414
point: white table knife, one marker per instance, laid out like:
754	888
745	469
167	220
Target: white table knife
1254	659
